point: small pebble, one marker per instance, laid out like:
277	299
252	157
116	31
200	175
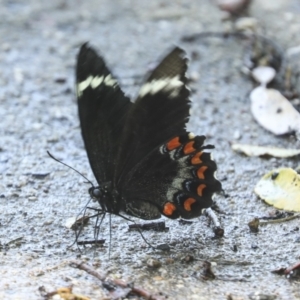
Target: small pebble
48	222
246	23
187	259
233	6
153	263
260	296
194	76
6	46
293	51
32	192
237	134
254	225
170	260
263	74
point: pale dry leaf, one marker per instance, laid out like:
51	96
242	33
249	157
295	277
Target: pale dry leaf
273	111
253	150
281	189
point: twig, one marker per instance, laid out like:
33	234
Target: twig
88	269
232	262
93	242
15	241
218	230
233	279
116	282
279	220
155	226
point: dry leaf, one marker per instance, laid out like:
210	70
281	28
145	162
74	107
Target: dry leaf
65	293
251	150
75	223
281	189
273	111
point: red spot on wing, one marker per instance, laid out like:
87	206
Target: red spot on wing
200	189
189	147
169	209
173	144
188	203
200	172
196	159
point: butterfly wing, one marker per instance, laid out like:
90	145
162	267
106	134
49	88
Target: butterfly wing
160	112
161	169
103	108
176	180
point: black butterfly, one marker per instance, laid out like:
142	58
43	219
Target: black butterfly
145	162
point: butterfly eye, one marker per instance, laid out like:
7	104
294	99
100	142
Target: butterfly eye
95	193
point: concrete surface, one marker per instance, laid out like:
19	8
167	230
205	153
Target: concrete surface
39	41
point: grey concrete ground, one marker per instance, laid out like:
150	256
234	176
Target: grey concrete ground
39	41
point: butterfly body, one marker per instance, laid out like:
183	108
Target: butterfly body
145	162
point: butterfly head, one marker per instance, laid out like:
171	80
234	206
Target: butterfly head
100	192
95	192
106	197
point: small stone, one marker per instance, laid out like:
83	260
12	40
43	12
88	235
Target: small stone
22	182
254	225
48	222
32	198
293	51
170	260
246	23
260	296
237	134
153	263
37	126
187	259
194	76
233	6
60	79
157	278
6	46
32	192
263	74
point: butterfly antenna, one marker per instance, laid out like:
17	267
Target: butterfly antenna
56	159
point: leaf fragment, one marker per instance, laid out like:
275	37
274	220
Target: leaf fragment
253	150
281	189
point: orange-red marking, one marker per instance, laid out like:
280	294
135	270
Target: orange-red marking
173	144
169	208
200	189
188	203
189	147
196	158
200	172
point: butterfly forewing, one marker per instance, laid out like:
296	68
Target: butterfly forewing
103	108
159	113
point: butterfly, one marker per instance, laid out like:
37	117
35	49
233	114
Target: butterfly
145	162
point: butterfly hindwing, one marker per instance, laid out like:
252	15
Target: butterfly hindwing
175	180
103	108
